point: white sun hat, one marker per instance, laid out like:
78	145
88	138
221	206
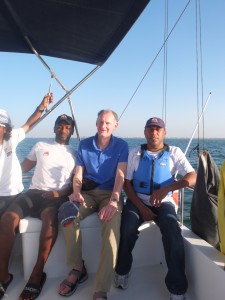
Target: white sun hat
4	117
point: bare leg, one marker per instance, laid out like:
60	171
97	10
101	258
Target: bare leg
48	235
8	224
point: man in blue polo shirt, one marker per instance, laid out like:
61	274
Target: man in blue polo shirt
97	184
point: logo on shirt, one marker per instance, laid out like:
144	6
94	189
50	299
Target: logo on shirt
8	151
46	153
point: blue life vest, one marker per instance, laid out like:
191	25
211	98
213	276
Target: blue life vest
152	173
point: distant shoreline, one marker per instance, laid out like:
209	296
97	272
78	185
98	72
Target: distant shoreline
136	137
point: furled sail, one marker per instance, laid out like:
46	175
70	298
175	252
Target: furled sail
85	31
221	209
204	204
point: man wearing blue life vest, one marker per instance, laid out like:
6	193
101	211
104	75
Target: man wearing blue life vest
149	186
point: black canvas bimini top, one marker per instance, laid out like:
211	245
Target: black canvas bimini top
81	30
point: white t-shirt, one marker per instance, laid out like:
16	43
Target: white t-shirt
178	163
55	165
10	170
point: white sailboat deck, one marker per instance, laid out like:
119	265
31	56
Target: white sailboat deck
204	267
145	283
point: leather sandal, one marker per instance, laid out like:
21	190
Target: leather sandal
81	277
100	294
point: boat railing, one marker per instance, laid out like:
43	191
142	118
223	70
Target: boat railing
181	201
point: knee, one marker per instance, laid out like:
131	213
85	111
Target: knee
49	216
9	220
128	229
170	226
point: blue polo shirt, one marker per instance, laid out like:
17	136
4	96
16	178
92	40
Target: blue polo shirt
100	165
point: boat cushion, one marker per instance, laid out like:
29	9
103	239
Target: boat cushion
30	224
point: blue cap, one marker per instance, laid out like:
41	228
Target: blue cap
155	122
68	212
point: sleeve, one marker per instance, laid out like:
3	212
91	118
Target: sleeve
32	155
181	163
79	156
124	152
18	135
133	162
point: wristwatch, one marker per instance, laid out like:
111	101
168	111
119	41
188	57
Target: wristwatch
114	199
39	110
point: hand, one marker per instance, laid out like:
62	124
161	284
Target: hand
107	212
48	99
77	197
157	196
50	194
147	214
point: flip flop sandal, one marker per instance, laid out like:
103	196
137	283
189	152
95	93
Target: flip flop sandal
33	290
3	286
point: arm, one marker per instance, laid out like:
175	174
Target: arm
187	181
37	114
27	165
119	181
77	185
58	193
107	212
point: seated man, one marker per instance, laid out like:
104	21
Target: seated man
51	183
101	165
10	170
149	185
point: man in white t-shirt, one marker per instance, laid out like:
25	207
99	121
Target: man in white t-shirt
149	186
54	163
10	170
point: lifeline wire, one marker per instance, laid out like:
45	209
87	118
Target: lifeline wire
154	59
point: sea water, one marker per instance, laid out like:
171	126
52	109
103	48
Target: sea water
216	148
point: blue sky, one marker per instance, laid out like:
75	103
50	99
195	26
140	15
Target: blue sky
24	80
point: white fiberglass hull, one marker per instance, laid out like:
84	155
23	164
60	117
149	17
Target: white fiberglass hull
204	267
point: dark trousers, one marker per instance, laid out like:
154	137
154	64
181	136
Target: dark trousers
172	239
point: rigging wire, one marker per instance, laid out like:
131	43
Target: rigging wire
197	62
154	59
201	66
198	122
199	77
165	65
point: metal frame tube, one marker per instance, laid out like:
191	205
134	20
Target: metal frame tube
66	95
68	92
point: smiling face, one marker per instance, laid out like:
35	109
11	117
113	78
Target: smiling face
106	124
155	136
63	132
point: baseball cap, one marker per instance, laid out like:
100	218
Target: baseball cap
4	117
65	118
68	212
155	122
